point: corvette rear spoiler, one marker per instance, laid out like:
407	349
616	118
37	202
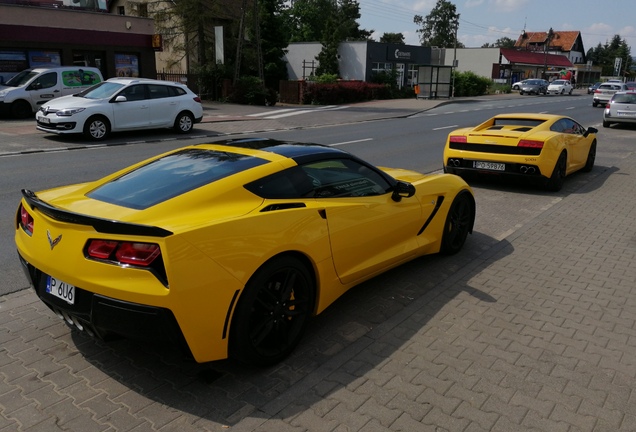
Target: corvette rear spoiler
105	226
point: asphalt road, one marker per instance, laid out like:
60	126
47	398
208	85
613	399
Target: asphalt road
413	142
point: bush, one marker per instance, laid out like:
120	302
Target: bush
470	84
344	92
249	90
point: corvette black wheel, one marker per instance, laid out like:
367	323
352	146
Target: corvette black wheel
272	312
555	183
591	157
458	224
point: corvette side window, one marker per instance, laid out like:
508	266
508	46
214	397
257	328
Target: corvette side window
344	178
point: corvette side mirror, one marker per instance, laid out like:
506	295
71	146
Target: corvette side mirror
402	190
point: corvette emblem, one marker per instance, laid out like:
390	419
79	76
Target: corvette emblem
53	242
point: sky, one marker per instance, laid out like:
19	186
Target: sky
485	21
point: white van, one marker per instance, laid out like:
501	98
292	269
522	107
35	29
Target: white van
22	95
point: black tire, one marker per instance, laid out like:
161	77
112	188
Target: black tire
570	93
184	123
97	128
521	92
459	222
562	91
594	104
606	124
272	313
591	157
555	183
21	109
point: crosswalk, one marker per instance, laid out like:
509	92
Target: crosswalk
289	112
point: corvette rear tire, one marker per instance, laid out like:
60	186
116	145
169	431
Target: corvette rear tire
591	157
272	312
458	224
555	183
97	128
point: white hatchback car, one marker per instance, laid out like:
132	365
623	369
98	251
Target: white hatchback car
560	87
122	104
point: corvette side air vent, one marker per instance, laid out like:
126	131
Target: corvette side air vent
282	206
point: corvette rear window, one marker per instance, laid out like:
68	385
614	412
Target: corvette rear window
171	176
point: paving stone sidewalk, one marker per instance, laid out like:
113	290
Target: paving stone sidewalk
536	332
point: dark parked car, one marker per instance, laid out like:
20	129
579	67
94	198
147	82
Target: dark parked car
534	86
593	87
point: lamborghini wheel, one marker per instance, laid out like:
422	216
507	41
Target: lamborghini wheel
591	157
458	224
272	312
555	183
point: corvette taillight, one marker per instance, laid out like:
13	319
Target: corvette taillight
26	220
125	253
530	143
458	138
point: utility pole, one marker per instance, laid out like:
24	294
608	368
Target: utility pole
241	38
454	69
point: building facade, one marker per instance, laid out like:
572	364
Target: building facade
360	60
52	33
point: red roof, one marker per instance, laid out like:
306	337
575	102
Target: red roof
563	40
534	58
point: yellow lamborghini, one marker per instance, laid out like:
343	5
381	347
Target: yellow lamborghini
542	148
229	248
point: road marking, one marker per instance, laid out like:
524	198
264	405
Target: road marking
288	112
350	142
446	127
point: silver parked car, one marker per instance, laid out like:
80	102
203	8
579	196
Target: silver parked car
534	86
620	109
605	91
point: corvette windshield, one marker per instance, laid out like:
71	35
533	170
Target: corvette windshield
171	176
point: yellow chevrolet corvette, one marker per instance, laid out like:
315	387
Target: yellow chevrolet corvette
542	148
229	248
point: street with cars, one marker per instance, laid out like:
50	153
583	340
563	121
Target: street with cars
529	327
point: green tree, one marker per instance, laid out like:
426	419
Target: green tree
605	55
274	40
328	56
439	27
393	38
308	20
503	42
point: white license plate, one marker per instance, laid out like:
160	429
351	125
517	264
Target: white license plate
45	120
489	166
627	114
60	289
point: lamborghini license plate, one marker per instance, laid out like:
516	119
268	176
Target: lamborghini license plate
494	166
60	289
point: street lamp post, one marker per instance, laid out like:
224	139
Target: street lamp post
454	70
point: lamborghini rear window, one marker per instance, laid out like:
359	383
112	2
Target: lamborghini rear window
517	122
171	176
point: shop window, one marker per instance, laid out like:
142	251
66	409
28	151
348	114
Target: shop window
121	10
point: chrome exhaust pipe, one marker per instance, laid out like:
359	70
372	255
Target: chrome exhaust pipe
531	170
523	169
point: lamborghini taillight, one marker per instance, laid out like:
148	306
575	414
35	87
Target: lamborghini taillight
457	138
530	144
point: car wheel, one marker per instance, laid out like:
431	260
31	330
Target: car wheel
606	124
184	123
570	93
591	157
521	92
594	104
458	224
555	183
272	313
97	128
21	109
562	91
